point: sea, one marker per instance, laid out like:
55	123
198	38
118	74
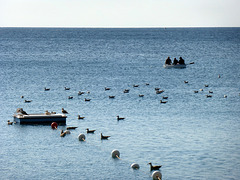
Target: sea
193	136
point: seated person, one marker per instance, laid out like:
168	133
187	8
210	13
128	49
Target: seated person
175	61
181	60
168	61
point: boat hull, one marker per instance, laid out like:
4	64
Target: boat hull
40	119
174	66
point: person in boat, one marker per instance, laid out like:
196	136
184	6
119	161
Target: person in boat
168	61
175	61
181	60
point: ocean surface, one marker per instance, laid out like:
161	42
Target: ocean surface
193	137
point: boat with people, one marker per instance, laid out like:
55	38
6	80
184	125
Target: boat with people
39	118
175	64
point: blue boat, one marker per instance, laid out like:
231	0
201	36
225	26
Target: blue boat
42	118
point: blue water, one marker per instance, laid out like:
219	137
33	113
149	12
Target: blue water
191	136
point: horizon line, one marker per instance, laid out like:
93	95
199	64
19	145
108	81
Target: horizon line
120	27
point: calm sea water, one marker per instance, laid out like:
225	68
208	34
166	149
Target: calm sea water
191	136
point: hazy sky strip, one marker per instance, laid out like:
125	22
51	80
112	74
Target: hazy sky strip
119	13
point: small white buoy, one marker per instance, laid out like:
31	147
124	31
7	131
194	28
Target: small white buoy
135	166
81	137
115	154
157	175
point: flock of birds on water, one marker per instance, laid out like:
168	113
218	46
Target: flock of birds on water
104	137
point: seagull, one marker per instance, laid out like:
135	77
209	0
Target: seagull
20	110
79	117
64	111
9	123
80	93
63	133
159	91
90	131
71	128
104	137
163	101
120	118
154	167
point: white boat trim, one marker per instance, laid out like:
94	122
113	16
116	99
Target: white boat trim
174	66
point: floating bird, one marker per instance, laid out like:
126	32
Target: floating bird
147	84
185	82
159	91
107	89
154	167
219	76
22	96
63	133
66	88
80	93
64	111
120	118
67	132
206	85
27	101
80	117
135	85
46	89
70	97
165	97
225	96
9	123
200	89
208	96
71	128
90	131
164	102
20	110
195	91
87	99
141	95
104	137
126	91
210	91
191	63
111	97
